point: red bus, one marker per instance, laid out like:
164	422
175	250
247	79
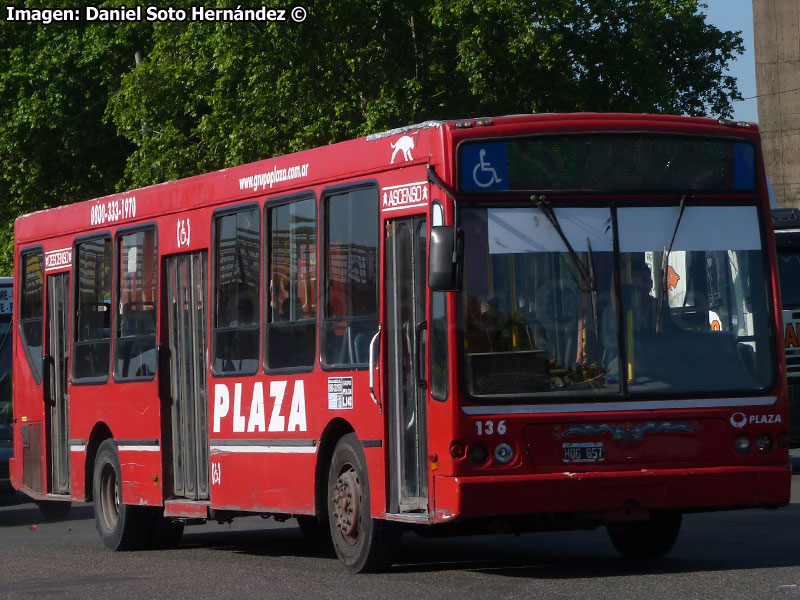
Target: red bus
506	324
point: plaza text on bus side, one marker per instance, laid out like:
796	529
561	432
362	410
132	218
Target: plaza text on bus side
508	324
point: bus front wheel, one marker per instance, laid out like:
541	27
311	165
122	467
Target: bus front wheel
362	543
646	539
121	526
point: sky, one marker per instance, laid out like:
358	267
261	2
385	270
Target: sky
737	15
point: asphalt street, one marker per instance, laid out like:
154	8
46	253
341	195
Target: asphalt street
738	554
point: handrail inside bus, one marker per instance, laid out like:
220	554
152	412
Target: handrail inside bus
372	369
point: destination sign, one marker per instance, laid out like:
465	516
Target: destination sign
608	162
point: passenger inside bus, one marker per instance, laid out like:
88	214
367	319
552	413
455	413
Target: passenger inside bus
490	329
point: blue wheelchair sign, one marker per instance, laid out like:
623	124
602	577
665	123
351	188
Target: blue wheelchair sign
484	167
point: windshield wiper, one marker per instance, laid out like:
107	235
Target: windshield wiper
587	275
665	263
593	286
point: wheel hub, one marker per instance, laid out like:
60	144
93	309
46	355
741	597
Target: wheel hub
345	503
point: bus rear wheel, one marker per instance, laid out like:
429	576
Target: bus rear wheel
362	543
121	526
646	539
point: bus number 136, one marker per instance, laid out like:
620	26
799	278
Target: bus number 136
488	428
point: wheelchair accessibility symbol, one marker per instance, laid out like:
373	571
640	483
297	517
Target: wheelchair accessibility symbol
484	175
484	166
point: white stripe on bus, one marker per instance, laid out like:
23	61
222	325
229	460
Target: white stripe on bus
524	409
266	449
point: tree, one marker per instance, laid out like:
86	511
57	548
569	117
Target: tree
593	55
79	120
57	147
218	94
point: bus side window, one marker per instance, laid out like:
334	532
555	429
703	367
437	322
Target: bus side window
237	262
92	343
135	351
291	333
31	312
351	276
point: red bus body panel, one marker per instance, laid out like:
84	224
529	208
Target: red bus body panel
698	471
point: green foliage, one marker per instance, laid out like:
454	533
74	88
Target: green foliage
57	148
78	120
216	95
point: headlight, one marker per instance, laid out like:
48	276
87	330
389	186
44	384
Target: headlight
503	453
741	444
478	453
764	443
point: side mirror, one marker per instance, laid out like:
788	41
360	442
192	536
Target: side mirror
445	258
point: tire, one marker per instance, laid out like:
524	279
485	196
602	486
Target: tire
362	543
54	510
646	539
121	526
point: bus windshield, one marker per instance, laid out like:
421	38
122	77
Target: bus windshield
612	315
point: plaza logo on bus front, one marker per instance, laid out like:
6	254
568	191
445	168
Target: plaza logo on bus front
739	419
279	420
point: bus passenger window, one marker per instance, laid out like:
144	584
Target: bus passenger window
351	276
135	351
292	309
92	345
237	260
31	313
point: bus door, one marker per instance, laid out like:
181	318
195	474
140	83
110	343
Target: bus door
55	388
187	290
405	342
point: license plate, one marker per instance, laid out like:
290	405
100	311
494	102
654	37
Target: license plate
583	452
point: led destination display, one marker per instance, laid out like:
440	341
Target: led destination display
608	162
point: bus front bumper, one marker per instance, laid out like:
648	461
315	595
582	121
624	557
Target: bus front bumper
610	495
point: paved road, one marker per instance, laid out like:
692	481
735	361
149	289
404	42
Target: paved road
741	554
